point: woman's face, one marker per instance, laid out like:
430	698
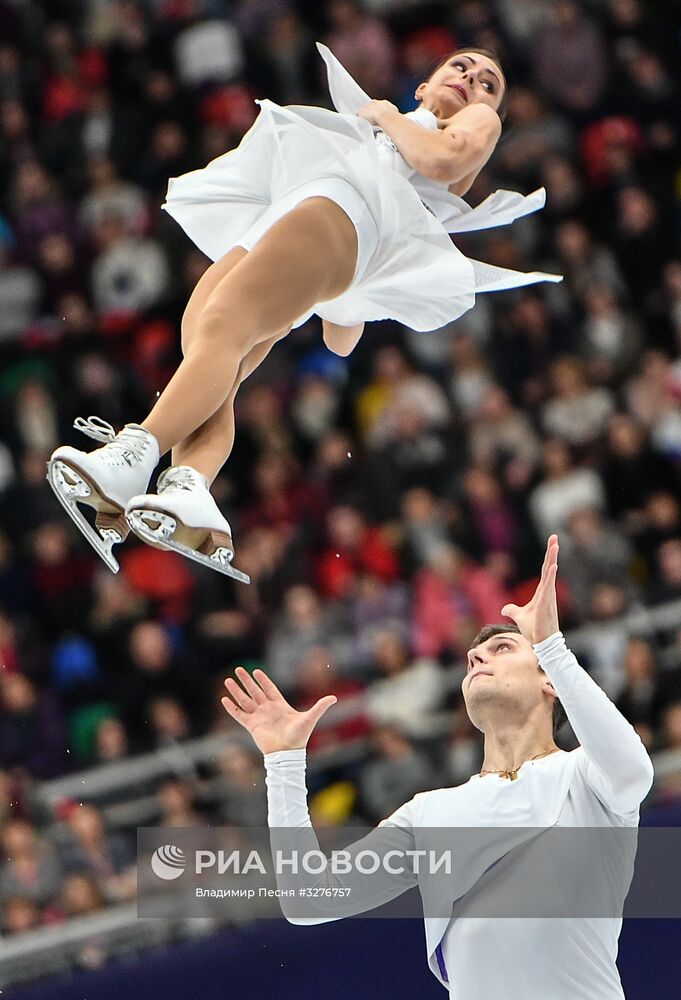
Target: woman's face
464	79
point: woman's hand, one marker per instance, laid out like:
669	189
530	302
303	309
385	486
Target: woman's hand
259	706
375	110
538	619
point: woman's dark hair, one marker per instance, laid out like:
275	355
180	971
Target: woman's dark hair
503	104
487	632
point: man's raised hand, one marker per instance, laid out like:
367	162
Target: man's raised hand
538	619
258	705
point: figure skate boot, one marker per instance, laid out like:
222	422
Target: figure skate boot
104	479
184	517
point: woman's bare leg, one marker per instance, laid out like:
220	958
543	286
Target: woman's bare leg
308	256
209	447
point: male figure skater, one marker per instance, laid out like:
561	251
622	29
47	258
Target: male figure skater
515	676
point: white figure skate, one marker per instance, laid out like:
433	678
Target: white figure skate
104	479
184	517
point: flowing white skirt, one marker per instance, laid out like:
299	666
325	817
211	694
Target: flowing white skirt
408	269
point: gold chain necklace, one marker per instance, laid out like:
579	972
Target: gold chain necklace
513	774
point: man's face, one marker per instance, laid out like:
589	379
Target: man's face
503	672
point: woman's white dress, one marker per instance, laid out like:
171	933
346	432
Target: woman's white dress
408	268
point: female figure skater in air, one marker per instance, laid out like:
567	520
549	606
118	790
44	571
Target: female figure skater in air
345	214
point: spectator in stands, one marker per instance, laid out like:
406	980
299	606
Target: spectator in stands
606	644
111	741
671	726
397	390
353	547
658	522
667	586
576	414
565	191
175	801
416	455
7	792
169	721
584	262
335	470
570	59
304	623
408	689
8	643
647	393
316	407
642	240
522	19
116	607
630	469
395	775
56	260
20	293
30	868
501	434
491	522
241	796
593	552
130	274
641	699
80	895
471	379
281	498
424	527
155	670
31	728
447	593
38	209
59	576
536	133
317	675
19	915
109	196
612	337
530	338
565	489
362	44
373	605
107	857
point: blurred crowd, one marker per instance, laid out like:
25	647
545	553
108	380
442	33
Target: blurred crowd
385	505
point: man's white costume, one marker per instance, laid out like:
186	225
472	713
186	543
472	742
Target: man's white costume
601	784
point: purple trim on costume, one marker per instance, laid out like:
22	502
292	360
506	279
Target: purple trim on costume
441	963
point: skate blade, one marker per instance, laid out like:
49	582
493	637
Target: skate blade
163	537
68	494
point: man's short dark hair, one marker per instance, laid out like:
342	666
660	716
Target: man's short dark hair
486	632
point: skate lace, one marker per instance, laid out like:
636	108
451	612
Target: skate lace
95	428
180	477
125	441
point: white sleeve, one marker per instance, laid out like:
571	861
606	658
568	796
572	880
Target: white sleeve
617	765
291	830
286	789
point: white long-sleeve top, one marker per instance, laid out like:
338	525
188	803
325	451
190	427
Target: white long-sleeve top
602	783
